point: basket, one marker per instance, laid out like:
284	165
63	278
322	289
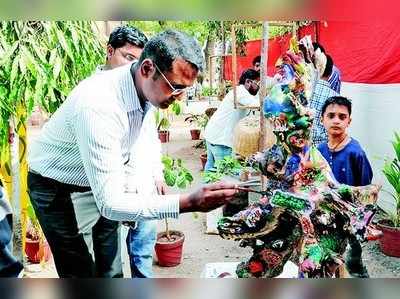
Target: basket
246	136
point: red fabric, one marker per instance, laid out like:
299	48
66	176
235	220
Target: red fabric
276	46
364	52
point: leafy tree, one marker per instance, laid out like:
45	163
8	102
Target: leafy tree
40	62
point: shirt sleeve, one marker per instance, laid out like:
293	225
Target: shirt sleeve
100	138
248	100
364	170
156	150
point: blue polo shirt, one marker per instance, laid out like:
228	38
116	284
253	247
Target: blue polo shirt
350	165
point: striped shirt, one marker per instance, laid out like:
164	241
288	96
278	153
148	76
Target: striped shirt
335	79
88	141
322	92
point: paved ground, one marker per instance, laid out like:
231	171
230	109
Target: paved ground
201	248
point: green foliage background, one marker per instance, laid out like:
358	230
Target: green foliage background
41	61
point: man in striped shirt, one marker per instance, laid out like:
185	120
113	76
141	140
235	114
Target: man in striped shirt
334	78
87	142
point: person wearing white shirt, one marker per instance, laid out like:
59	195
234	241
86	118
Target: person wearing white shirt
87	143
124	46
144	176
219	130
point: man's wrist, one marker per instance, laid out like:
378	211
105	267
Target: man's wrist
186	204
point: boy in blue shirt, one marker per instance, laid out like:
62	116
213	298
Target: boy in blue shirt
348	162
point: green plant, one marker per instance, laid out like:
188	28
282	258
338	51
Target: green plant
227	166
208	91
163	116
162	121
175	173
211	177
201	120
41	61
391	170
34	231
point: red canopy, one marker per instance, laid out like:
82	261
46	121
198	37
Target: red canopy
365	52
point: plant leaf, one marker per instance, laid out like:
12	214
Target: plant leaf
169	177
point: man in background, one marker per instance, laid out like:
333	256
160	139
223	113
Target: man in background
125	45
257	63
219	130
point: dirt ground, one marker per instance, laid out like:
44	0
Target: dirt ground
201	248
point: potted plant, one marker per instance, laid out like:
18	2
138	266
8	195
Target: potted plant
163	120
169	244
200	120
390	227
163	125
37	249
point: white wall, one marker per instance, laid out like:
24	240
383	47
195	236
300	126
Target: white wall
376	115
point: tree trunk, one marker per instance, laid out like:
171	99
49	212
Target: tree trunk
15	199
262	92
222	64
209	51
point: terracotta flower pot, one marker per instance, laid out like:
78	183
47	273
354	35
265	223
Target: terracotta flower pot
34	253
169	252
203	159
195	133
390	240
163	136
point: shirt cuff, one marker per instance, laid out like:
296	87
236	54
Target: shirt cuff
169	207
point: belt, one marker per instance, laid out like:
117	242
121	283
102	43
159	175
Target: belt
71	188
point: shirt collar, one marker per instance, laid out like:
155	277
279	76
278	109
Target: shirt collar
128	92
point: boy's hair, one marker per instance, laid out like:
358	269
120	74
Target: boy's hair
338	100
256	59
249	74
328	66
125	34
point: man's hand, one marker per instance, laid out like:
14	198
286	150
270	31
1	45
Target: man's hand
207	198
161	187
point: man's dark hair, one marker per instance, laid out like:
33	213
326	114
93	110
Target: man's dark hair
125	34
338	100
249	74
169	45
256	59
328	66
318	45
303	49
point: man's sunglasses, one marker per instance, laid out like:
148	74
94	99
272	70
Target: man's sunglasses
175	91
255	82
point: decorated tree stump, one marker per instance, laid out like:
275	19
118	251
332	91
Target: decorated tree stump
303	215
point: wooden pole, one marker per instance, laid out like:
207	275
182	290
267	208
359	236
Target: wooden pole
262	92
263	77
234	65
211	77
222	81
294	29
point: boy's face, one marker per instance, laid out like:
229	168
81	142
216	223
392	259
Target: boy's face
336	119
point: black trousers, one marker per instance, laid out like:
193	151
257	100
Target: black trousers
52	203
